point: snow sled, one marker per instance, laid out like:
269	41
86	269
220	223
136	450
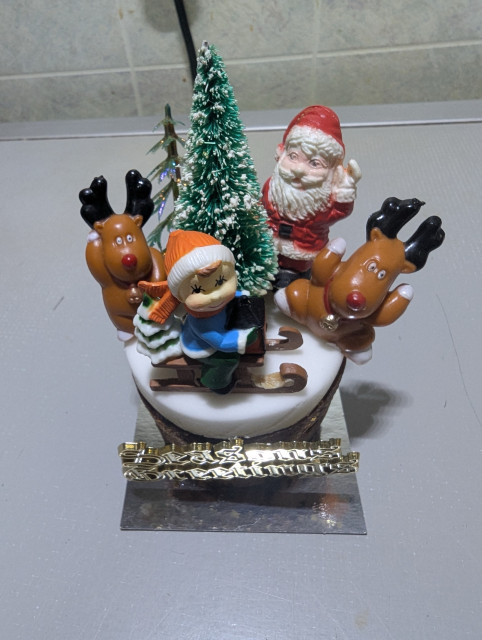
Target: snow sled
249	312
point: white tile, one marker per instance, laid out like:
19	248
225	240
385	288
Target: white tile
158	87
361	24
453	73
239	30
67	97
37	36
152	31
272	85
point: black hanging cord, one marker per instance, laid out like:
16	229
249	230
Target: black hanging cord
186	34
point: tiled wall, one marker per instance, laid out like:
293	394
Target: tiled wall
67	60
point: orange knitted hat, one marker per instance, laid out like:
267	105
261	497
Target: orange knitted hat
186	253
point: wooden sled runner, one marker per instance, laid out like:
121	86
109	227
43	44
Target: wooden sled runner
289	379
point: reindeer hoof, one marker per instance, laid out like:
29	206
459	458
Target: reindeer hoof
359	357
282	302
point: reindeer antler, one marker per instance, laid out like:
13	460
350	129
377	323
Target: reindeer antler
139	201
95	205
393	215
427	237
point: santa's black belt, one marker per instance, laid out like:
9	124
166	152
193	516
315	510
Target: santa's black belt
285	230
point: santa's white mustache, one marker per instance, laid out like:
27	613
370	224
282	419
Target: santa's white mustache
288	175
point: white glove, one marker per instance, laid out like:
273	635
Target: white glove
344	183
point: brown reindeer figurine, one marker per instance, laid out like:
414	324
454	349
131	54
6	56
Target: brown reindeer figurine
117	252
343	301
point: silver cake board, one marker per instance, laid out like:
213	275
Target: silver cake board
328	504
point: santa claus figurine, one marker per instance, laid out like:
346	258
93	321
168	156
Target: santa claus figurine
310	190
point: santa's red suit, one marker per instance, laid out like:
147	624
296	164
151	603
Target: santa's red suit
308	235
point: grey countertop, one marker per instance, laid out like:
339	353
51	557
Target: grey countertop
414	414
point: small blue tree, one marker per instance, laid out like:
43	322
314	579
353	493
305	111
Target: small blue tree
169	169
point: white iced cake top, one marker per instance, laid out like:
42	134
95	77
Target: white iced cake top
244	414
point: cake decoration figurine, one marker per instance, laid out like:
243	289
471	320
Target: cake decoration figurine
201	310
344	301
220	323
168	174
117	252
220	193
309	190
225	374
201	313
201	274
220	260
160	342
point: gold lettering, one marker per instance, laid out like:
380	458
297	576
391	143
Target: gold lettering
256	470
200	453
133	451
200	474
140	472
175	474
240	471
174	454
223	473
231	451
259	453
232	459
277	470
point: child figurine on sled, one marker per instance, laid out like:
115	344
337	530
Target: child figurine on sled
201	274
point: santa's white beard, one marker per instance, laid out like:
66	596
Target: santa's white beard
297	204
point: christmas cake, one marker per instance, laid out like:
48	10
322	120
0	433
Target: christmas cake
206	340
211	355
184	416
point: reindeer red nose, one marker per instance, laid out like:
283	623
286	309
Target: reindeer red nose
129	261
356	300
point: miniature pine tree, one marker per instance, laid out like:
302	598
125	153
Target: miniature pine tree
158	342
220	193
169	169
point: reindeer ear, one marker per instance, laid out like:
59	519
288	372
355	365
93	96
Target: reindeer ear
376	234
408	267
139	220
99	226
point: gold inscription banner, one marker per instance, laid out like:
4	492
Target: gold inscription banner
234	459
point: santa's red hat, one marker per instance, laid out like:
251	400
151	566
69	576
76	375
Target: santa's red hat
323	123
